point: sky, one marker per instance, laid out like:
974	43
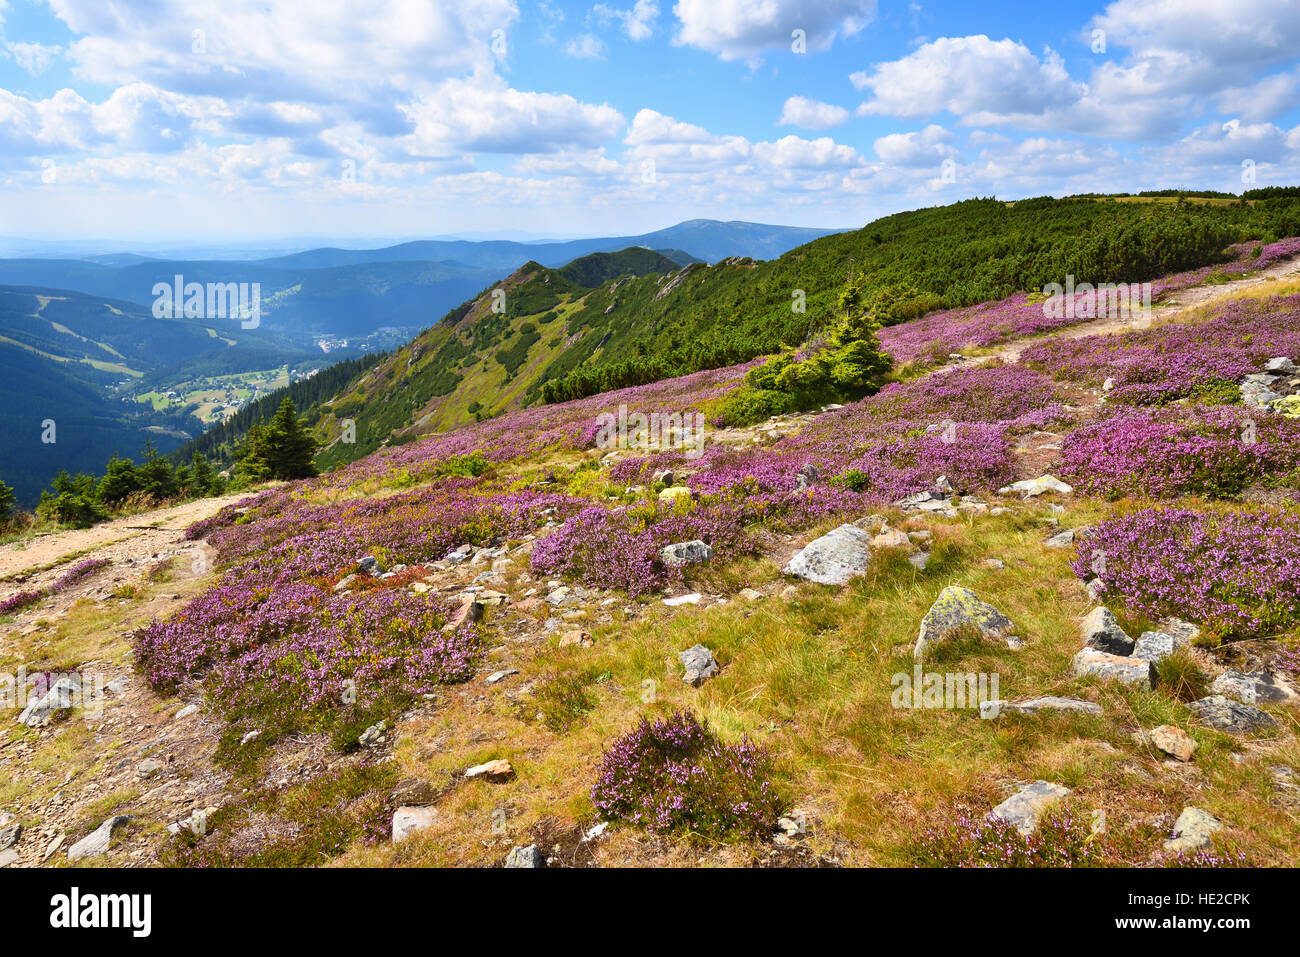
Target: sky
150	120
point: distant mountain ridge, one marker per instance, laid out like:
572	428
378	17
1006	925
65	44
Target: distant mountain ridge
352	293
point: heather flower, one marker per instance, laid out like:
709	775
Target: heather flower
78	573
1236	573
19	601
676	775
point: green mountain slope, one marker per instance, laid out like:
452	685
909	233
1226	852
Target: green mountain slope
563	333
77	360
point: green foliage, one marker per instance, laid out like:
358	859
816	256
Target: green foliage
72	502
279	449
8	504
849	364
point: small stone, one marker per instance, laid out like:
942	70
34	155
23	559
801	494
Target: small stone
1101	630
665	477
891	538
1024	808
251	736
491	599
749	594
919	560
497	676
148	768
410	820
7	857
1061	539
699	665
576	638
1130	671
186	711
61	696
498	770
1192	831
1280	364
528	856
994	563
370	565
1172	741
10	833
1231	716
692	599
344	583
117	685
995	709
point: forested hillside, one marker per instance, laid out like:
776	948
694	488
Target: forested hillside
617	320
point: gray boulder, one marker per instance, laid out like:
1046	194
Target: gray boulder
370	565
699	663
685	553
1192	831
1024	808
1251	686
1061	539
1231	716
958	608
63	694
833	559
1101	630
995	709
1156	645
96	843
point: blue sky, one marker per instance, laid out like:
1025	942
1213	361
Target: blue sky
242	119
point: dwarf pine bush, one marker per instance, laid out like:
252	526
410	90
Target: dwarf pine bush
676	775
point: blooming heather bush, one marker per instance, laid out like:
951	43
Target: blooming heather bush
1061	840
19	601
1179	360
616	550
899	440
78	573
675	775
289	650
1237	573
1248	260
1162	453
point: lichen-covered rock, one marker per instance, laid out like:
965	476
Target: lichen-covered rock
1157	645
1192	831
1231	716
675	492
1252	686
685	553
1138	672
957	608
1024	808
1032	488
529	856
1102	631
833	559
1172	741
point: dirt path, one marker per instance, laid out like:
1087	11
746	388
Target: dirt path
145	533
1182	301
